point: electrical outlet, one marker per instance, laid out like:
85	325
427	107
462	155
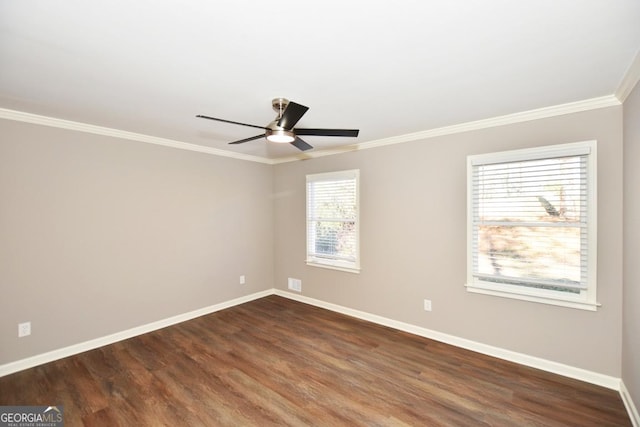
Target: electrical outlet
242	280
24	329
427	305
295	284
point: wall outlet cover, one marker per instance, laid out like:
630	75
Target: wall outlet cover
24	329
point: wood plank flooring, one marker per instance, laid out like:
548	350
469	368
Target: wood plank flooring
279	362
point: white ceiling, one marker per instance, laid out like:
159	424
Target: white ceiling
386	68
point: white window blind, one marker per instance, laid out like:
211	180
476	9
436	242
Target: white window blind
332	220
531	215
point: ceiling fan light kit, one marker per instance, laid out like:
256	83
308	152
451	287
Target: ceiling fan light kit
282	130
281	136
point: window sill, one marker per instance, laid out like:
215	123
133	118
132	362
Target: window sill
347	269
581	305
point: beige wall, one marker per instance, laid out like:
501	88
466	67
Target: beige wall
631	326
413	242
99	235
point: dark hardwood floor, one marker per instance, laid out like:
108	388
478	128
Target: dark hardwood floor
278	362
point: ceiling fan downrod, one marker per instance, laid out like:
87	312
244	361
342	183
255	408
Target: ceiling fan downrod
279	105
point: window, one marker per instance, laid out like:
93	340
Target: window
532	224
332	220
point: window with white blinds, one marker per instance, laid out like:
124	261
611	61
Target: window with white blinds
332	220
532	224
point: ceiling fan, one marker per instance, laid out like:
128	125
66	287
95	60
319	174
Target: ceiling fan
282	129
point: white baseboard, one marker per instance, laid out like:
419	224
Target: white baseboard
512	356
628	403
61	353
523	359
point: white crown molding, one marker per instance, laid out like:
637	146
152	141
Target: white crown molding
630	79
540	113
116	133
525	116
321	153
512	356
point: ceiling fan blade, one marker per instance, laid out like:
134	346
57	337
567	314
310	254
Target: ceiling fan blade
301	145
247	139
229	121
328	132
291	115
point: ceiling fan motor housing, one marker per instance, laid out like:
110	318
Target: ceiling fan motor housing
275	133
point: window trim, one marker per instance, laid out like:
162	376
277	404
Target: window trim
334	264
585	300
